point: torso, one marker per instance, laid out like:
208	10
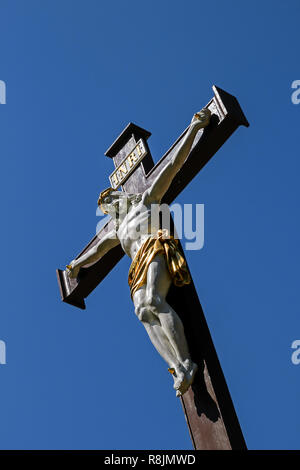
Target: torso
137	226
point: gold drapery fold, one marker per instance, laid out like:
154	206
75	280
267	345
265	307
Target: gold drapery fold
164	243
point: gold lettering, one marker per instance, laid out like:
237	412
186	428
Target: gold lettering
122	169
114	178
125	168
140	148
132	158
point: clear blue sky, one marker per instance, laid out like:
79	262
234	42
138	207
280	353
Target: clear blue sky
76	73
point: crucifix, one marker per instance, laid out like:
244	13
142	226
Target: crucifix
160	283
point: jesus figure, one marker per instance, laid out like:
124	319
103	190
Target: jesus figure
156	260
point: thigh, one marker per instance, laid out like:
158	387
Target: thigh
158	277
157	285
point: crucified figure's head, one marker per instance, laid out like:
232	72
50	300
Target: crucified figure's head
117	203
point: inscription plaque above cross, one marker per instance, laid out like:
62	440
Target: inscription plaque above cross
161	286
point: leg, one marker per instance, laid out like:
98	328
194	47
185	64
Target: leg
154	329
158	284
163	325
158	336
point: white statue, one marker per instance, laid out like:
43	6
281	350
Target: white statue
156	260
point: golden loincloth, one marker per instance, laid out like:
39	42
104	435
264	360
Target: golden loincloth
159	243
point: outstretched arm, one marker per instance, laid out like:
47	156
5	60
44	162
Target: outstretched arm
164	179
110	240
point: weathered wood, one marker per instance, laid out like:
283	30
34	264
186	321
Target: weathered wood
208	408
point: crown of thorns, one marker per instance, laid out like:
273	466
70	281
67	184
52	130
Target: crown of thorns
102	195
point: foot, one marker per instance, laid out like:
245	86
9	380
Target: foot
190	369
183	387
192	372
179	376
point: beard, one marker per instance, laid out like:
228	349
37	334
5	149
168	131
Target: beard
121	208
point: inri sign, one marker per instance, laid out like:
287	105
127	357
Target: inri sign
121	173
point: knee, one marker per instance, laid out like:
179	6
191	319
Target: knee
149	308
143	313
155	303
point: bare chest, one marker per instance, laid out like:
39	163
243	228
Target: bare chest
136	227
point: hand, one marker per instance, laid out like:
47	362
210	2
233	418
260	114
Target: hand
202	118
72	270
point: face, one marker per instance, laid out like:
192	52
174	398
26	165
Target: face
115	203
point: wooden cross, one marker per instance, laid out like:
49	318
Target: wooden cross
208	408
